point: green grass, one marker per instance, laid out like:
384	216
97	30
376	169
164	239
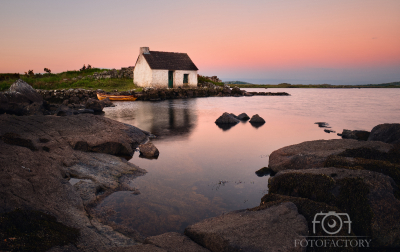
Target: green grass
64	81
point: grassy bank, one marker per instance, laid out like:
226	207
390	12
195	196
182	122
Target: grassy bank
72	79
80	79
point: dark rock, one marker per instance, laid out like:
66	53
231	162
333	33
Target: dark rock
366	196
264	172
388	133
243	117
226	118
314	154
355	134
27	90
107	103
322	124
148	150
93	104
21	99
175	242
64	111
74	99
271	229
85	111
236	91
16	139
256	119
329	131
38	180
27	230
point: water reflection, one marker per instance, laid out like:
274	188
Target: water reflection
203	171
165	119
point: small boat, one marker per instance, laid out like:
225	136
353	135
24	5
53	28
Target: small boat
116	97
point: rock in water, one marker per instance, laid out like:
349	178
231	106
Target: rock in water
148	150
355	134
27	90
243	117
272	229
94	104
388	133
314	154
256	119
226	118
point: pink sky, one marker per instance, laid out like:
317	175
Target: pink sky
306	41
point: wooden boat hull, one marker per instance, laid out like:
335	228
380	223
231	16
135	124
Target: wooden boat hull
116	97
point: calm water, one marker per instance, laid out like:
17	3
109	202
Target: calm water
203	171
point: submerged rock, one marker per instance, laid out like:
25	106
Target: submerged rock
271	229
148	150
226	118
388	133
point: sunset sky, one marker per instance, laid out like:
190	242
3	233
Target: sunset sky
270	41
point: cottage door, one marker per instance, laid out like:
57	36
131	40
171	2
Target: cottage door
170	79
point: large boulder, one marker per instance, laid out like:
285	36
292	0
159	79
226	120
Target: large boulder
388	133
367	197
271	229
175	242
21	99
226	118
314	154
27	90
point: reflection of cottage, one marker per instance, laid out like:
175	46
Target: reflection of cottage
164	69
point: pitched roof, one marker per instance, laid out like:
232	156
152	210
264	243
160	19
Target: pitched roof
169	61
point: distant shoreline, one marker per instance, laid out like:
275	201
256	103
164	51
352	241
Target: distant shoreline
287	85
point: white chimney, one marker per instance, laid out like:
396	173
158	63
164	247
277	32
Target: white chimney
144	50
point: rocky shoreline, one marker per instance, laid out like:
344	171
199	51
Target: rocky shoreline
41	211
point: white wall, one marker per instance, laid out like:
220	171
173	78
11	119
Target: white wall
142	74
178	78
160	78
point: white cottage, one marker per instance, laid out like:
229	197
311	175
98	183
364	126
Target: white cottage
164	69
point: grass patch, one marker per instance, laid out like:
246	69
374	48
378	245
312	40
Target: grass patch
73	79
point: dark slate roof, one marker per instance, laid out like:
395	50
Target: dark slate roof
169	61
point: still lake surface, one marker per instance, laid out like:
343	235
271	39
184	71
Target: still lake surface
204	171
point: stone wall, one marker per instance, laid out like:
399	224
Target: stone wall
124	72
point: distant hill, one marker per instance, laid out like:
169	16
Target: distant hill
236	82
396	83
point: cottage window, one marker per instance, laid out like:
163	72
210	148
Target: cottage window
186	78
